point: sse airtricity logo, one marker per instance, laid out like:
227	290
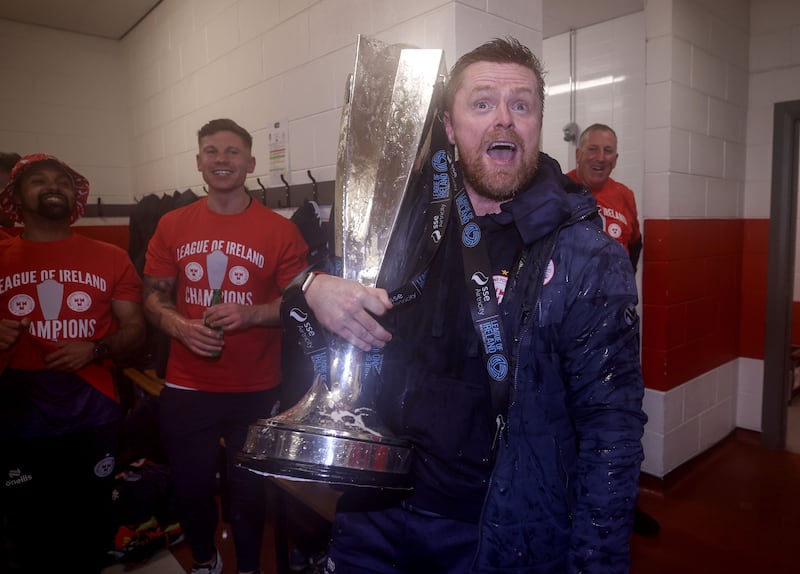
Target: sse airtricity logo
298	315
479	278
471	235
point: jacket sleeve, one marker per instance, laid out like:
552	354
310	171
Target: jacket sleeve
601	366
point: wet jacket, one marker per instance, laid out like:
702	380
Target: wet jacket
559	496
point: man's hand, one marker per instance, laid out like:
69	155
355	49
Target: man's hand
11	331
230	316
70	356
198	337
346	308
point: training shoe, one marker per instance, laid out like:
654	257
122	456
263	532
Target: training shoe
215	568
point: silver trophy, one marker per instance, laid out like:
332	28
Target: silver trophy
334	434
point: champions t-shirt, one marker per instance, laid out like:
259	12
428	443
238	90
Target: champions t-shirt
251	256
65	288
617	210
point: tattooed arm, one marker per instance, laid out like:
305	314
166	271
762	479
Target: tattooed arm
161	311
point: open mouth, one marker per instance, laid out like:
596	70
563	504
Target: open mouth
502	150
222	172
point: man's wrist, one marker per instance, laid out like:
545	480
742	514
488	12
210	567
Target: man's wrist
101	351
302	281
308	280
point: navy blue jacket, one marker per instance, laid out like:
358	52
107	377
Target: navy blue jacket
565	482
557	495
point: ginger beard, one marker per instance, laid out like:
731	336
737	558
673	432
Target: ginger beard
501	167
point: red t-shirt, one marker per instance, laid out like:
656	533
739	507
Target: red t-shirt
617	209
256	254
65	287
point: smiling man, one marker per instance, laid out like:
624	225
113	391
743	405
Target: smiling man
596	157
214	273
535	471
68	306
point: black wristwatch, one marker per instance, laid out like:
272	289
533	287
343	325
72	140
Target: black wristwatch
101	350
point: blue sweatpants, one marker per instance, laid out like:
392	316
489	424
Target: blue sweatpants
400	540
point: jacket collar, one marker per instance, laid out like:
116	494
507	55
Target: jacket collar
551	200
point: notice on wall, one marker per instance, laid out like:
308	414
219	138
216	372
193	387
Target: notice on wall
278	142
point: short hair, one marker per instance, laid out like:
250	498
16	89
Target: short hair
225	125
506	50
8	161
595	128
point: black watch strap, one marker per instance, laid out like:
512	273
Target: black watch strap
101	350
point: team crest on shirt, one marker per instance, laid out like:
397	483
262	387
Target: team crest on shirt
194	272
500	283
549	272
21	305
104	467
614	230
79	301
238	275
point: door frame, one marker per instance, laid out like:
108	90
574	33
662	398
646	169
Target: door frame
780	275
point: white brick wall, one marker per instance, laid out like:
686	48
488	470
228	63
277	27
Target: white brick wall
686	420
696	108
127	113
612	52
66	94
258	62
774	77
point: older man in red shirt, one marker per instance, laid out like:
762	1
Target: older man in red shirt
596	157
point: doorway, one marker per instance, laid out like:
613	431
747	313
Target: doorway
780	275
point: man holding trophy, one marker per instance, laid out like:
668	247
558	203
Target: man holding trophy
526	429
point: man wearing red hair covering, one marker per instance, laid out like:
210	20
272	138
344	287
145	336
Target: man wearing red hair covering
7	163
68	306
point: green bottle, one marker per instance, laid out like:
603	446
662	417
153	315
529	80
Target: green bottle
216	299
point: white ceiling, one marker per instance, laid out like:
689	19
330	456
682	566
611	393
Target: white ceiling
105	18
559	16
114	18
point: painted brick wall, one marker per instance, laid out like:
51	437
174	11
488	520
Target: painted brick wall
691	298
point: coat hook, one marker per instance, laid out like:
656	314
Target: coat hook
263	191
288	193
313	186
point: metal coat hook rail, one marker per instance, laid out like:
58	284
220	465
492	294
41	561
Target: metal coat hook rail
263	191
288	193
315	193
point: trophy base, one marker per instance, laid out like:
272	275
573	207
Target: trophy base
349	458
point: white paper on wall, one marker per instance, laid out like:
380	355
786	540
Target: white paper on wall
278	142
